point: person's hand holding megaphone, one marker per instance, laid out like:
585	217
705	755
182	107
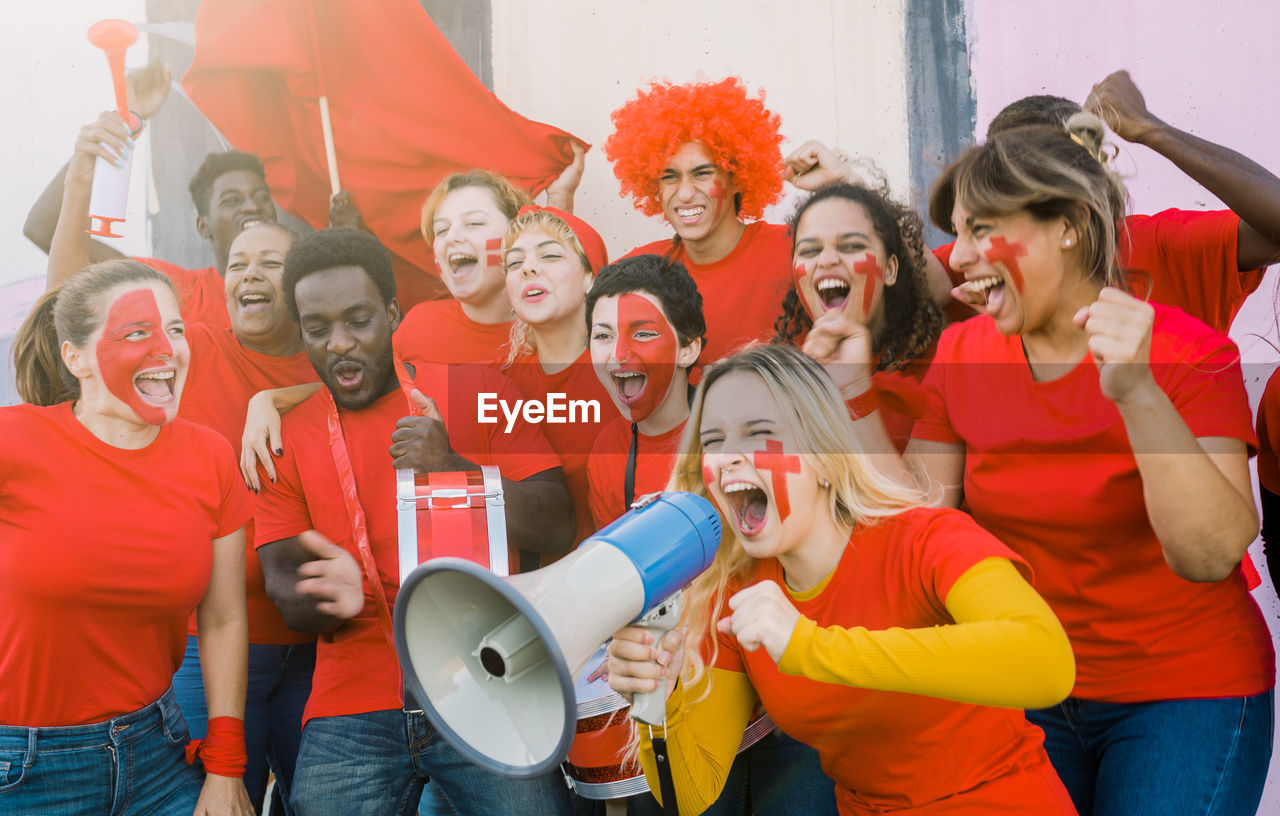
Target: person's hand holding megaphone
637	663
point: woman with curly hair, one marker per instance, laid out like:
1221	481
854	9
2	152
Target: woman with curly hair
706	156
896	639
859	257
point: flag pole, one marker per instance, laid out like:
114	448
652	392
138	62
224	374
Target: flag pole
326	124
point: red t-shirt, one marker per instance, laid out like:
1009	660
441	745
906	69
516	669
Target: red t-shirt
742	292
356	668
572	441
1049	470
201	292
902	397
888	751
1188	258
438	331
607	470
104	552
1269	435
222	377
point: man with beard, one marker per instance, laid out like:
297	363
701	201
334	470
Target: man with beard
332	508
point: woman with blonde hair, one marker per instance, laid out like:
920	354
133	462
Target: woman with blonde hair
551	258
896	639
1105	440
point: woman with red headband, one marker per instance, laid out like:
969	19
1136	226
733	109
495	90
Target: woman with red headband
98	575
551	259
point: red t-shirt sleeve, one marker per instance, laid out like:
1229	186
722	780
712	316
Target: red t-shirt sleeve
948	544
1191	260
934	425
281	508
235	510
1199	369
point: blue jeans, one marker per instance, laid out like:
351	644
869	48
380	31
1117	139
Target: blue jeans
279	685
1169	757
132	765
375	764
776	775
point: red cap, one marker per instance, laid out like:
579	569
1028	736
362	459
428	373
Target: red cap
592	243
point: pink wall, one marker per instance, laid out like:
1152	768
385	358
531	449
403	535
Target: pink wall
1207	67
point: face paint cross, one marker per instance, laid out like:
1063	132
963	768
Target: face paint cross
492	256
779	464
868	266
1007	254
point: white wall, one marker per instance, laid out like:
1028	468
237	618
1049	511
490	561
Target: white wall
832	69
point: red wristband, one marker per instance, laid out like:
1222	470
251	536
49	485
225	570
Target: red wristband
222	749
864	404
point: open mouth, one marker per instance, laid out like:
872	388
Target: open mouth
987	293
689	215
348	375
750	506
156	387
253	222
629	384
461	263
534	293
832	291
254	301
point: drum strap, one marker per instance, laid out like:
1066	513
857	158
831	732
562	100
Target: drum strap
666	785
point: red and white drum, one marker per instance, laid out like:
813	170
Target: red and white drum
458	514
595	767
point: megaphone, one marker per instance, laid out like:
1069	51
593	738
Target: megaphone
492	660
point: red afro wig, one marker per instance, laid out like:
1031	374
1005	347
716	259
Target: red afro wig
739	131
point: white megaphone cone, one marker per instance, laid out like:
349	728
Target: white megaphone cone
492	660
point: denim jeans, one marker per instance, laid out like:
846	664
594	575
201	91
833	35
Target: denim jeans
1170	757
132	765
776	775
374	764
279	685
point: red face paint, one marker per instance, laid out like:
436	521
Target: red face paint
646	344
1007	254
121	358
799	273
779	464
868	267
493	256
708	475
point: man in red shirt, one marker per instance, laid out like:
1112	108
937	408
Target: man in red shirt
331	510
229	191
706	156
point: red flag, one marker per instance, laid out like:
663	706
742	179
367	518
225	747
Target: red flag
406	112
